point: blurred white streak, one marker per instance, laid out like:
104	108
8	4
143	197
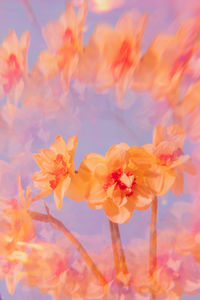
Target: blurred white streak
105	5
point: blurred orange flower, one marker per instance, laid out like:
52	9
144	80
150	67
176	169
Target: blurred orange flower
115	182
57	168
162	67
170	162
45	267
64	40
57	270
15	221
17	231
113	54
13	55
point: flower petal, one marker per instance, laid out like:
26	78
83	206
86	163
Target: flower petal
77	189
178	186
161	180
97	196
117	155
118	214
143	201
60	192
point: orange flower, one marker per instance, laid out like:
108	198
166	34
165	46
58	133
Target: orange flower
64	40
170	162
162	67
45	267
115	182
113	54
164	281
56	270
13	62
17	229
57	168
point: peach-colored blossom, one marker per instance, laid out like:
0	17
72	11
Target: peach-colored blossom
116	182
64	40
170	164
56	270
44	267
113	54
13	63
17	231
18	224
164	64
57	168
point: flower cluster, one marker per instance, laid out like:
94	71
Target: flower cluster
127	178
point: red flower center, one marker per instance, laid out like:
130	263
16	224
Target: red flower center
123	60
169	158
125	181
60	170
12	74
180	63
67	50
68	36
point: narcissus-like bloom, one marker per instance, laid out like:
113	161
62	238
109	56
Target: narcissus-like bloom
116	182
113	54
162	67
64	40
57	168
13	64
170	163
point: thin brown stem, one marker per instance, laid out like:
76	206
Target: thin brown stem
32	17
61	227
28	8
153	240
121	250
116	254
121	269
41	195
